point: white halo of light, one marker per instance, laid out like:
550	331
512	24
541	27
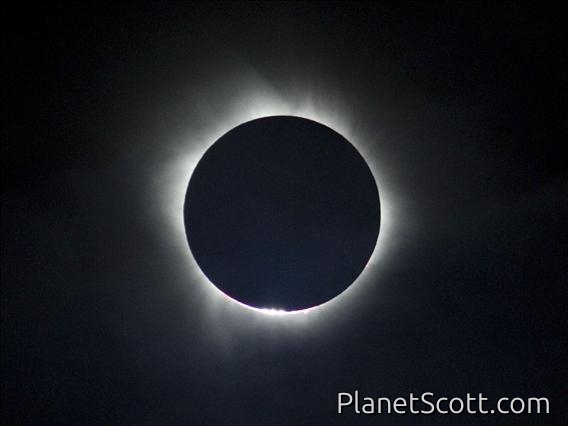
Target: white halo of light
246	106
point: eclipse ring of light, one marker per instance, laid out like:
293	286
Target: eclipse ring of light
282	211
188	147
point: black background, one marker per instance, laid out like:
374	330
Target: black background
462	105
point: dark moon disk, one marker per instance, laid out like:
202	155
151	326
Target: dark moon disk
282	212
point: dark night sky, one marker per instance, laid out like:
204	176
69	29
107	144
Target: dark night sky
461	106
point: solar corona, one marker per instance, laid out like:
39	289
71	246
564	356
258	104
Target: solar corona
240	116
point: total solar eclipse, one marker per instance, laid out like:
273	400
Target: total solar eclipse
282	212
